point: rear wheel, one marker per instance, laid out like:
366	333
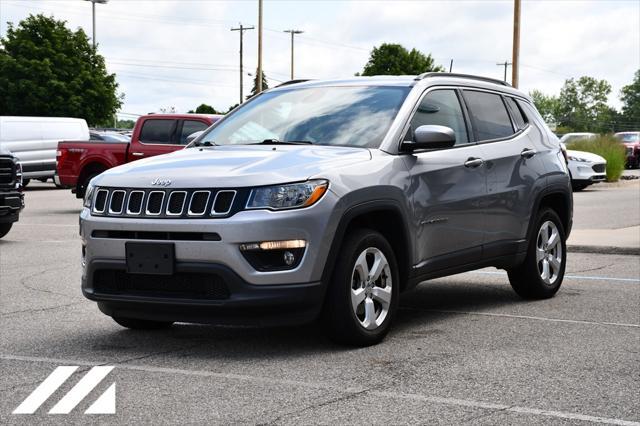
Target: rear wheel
541	273
82	187
5	228
138	324
25	182
363	294
578	186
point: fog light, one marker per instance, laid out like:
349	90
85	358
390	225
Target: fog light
268	256
289	258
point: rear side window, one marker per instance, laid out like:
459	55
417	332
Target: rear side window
441	107
489	115
189	127
519	119
158	131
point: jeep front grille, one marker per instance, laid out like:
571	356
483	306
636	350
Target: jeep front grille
167	203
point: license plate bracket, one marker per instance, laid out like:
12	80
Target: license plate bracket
150	258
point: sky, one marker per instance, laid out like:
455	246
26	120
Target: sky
181	53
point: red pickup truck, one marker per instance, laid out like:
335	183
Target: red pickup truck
77	162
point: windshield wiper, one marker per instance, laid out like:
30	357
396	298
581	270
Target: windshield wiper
279	142
205	143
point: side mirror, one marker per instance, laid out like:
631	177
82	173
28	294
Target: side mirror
430	137
193	136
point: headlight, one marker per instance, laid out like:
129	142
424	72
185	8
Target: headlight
578	159
88	195
288	196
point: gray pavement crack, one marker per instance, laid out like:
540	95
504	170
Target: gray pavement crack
316	405
591	269
50	308
486	415
41	290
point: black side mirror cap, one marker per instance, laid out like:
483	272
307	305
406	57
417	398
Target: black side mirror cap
430	137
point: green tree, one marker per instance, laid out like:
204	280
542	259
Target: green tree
547	105
582	106
630	97
394	59
48	70
254	89
204	109
125	124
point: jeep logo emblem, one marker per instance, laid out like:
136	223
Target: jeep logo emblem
161	182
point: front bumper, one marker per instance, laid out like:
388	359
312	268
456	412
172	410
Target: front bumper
11	203
588	172
239	303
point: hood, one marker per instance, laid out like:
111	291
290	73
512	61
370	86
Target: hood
593	158
233	166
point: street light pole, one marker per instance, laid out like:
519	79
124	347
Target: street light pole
293	33
93	16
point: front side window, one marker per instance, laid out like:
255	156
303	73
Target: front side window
189	127
158	131
488	114
441	107
342	115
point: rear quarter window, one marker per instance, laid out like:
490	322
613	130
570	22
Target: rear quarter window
489	115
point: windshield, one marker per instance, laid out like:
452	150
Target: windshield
348	116
629	137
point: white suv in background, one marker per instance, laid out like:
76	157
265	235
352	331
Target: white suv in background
586	169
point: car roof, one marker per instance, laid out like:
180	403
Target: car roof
427	79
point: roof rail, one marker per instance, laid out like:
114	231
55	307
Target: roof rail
286	83
456	75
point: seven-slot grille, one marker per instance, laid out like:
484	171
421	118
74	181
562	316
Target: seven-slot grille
7	171
155	203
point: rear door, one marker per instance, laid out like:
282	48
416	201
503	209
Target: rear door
514	170
189	127
448	187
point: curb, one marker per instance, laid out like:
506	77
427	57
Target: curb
631	251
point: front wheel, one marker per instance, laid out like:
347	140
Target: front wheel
541	273
363	294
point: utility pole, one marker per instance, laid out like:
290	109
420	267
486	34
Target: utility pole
293	33
242	29
516	44
451	66
93	16
504	64
259	76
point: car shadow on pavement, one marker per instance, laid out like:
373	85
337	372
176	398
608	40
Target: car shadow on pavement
421	310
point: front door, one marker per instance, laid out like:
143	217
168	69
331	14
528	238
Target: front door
448	188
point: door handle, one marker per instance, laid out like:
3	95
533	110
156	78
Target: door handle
473	162
138	154
528	153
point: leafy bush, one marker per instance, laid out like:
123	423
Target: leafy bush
605	146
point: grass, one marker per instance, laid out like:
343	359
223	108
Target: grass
605	146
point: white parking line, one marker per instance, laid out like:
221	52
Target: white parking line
320	385
492	314
571	277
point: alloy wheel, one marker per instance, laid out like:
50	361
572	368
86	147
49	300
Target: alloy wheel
371	288
549	252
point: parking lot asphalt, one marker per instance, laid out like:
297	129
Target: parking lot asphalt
463	349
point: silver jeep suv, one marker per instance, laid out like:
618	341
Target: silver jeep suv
327	199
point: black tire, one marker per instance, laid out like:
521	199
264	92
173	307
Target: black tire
339	319
138	324
577	187
25	182
526	279
83	186
5	228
